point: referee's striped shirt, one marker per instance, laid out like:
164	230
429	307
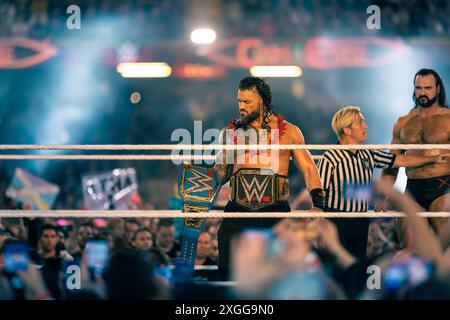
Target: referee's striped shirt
342	171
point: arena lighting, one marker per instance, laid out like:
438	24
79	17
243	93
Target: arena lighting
203	36
199	71
276	71
144	69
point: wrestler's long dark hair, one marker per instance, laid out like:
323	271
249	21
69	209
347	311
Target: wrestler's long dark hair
263	89
441	98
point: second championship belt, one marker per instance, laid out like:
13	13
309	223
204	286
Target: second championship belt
198	187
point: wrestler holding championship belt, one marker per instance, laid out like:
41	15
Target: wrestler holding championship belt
258	178
198	187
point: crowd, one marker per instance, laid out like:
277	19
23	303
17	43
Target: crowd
292	18
301	259
305	18
42	18
53	245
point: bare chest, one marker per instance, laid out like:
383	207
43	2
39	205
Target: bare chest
276	159
431	130
266	140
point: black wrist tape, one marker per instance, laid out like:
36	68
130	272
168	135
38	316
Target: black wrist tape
318	198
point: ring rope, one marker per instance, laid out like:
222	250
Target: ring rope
103	157
211	214
111	157
201	268
150	147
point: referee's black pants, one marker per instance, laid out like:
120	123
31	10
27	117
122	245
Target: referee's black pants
353	233
231	227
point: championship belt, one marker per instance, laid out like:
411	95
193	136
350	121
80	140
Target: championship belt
198	186
255	189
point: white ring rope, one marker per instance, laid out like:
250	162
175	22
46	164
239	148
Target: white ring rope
175	213
211	214
150	147
197	147
200	268
219	283
111	157
103	157
209	268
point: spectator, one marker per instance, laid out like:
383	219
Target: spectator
130	277
214	250
85	232
212	227
52	257
49	240
204	248
116	228
131	225
142	239
15	227
165	238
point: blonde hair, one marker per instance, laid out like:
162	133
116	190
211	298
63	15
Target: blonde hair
343	118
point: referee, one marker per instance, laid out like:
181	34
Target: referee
347	176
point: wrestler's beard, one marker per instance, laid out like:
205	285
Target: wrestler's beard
428	103
246	120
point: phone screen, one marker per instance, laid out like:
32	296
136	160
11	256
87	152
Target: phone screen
182	272
164	273
363	192
16	257
411	272
97	256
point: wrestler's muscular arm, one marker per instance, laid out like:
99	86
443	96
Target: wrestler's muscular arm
224	169
303	160
390	175
412	160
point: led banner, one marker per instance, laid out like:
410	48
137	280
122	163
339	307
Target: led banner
323	52
190	61
17	53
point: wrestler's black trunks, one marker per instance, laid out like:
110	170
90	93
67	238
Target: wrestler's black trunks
425	191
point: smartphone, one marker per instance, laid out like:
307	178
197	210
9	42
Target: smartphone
395	277
163	272
182	272
16	257
365	192
409	272
97	257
